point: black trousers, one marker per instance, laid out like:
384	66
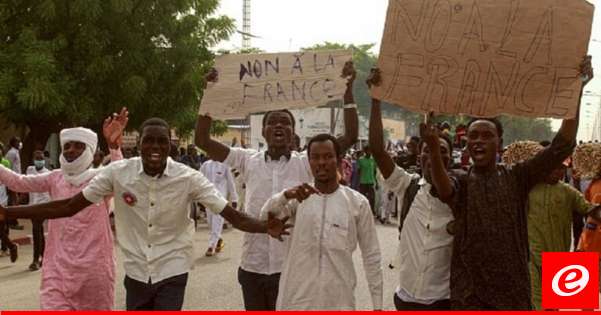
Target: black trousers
39	242
401	305
260	292
369	192
166	295
4	231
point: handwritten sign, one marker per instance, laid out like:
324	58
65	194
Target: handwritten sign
485	57
260	82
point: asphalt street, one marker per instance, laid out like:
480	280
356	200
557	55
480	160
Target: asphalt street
212	285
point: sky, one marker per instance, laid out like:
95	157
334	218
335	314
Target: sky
288	25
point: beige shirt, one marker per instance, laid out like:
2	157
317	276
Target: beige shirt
425	247
319	273
154	229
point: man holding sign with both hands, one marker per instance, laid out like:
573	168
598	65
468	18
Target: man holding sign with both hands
266	174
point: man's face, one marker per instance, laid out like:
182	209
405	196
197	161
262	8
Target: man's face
483	143
278	131
38	156
154	146
412	147
72	150
192	151
425	160
323	161
556	175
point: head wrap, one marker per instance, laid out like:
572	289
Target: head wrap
78	171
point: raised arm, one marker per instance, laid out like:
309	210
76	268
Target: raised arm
351	120
563	144
376	131
569	127
24	183
215	149
440	177
202	137
50	210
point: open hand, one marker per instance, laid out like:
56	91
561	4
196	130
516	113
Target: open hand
276	227
429	132
113	128
586	70
300	192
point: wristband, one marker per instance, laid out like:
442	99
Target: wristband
352	105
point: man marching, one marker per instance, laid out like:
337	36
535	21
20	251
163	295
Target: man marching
330	220
79	265
154	231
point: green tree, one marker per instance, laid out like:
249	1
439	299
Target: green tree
71	62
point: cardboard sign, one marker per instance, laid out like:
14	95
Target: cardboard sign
254	83
485	57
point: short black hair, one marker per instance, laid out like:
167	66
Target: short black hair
545	143
14	142
154	121
494	120
289	113
323	138
446	139
414	139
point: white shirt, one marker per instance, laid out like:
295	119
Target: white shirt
3	196
425	247
318	272
15	160
265	178
221	176
37	198
154	229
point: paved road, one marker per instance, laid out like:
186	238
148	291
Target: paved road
212	284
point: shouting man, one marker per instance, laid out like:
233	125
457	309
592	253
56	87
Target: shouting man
265	174
152	194
489	266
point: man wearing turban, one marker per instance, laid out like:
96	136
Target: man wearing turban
78	271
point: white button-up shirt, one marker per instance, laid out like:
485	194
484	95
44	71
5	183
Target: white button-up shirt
425	247
154	229
220	175
37	198
265	178
318	272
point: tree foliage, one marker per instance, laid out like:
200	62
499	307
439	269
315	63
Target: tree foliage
72	62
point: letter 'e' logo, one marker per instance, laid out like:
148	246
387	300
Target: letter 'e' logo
570	280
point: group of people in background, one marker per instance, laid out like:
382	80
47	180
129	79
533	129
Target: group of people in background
471	233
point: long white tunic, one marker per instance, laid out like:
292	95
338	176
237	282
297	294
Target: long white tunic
318	272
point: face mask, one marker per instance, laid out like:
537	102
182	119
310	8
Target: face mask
39	164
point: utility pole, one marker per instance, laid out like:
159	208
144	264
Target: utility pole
246	24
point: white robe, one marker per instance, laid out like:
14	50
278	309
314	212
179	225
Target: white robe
318	272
